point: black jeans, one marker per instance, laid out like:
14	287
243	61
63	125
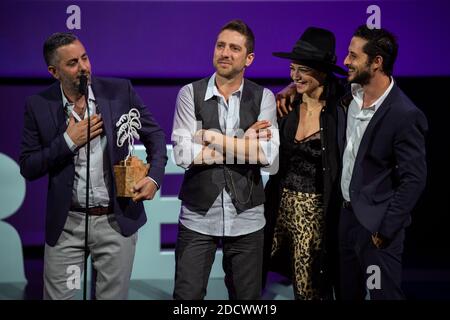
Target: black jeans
365	268
242	263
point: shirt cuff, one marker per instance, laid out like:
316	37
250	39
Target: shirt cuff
72	146
270	151
196	150
156	183
186	153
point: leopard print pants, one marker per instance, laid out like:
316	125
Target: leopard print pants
300	226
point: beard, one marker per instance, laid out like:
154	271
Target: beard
225	73
361	77
72	85
229	72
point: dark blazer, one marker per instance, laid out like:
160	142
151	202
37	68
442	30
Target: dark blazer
44	150
390	168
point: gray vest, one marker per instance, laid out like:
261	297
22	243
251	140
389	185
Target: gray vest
203	183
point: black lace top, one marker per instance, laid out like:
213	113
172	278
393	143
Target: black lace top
304	168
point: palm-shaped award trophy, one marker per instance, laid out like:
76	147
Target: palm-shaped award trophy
132	169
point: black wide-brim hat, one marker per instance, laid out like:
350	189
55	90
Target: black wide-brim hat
316	49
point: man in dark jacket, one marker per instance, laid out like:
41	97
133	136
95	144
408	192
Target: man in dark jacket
54	144
384	169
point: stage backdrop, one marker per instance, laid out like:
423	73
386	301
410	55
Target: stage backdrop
162	45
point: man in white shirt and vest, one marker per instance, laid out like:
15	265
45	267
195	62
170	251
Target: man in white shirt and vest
224	132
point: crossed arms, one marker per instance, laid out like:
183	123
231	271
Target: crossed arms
196	146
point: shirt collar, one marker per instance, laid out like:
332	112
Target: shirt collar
211	89
66	102
358	95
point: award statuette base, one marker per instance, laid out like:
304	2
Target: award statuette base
127	174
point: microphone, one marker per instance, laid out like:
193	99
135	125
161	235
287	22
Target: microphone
82	87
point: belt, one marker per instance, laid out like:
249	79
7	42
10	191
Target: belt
94	211
347	205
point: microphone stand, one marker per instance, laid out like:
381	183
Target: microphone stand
84	90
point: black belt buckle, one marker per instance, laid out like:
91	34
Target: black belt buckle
347	205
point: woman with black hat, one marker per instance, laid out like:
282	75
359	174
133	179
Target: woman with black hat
302	198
